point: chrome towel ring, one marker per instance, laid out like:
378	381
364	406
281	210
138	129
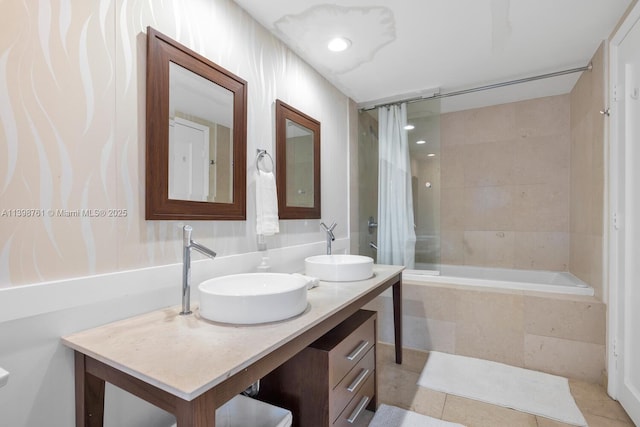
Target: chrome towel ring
261	153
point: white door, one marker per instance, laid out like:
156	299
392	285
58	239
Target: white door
625	228
188	160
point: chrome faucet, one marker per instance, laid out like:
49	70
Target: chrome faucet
330	236
189	244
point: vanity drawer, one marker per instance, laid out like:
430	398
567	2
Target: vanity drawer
313	384
347	354
352	383
352	414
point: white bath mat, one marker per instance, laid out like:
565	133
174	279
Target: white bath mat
499	384
390	416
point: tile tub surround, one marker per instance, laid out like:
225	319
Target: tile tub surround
398	387
523	183
505	185
558	334
198	355
587	178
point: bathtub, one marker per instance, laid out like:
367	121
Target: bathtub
560	282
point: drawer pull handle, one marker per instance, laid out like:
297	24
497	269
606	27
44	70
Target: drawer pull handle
356	412
358	350
354	385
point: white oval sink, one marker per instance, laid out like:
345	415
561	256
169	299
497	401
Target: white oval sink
252	298
339	268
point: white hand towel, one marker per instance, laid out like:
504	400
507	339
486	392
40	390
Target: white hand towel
266	204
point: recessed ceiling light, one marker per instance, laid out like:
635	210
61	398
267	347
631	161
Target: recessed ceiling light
431	155
339	44
422	141
409	127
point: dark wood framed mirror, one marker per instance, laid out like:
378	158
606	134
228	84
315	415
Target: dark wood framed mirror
297	163
196	135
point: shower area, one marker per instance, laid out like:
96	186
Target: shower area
503	195
423	134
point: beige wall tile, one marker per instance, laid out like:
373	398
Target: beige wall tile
452	247
513	161
453	128
587	173
490	326
543	116
580	256
474	208
572	320
542	250
490	124
500	249
545	159
563	357
581	169
419	329
499	207
452	209
474	248
489	163
426	334
437	302
542	207
452	166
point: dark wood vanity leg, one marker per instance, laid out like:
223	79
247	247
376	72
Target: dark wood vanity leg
397	319
89	396
199	412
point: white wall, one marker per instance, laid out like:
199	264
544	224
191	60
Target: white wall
72	131
72	78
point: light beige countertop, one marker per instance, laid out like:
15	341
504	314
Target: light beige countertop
188	355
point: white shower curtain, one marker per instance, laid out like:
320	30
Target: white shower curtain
396	229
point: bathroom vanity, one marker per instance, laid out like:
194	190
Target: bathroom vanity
331	381
189	366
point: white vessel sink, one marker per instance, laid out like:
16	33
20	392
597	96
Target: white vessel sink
252	298
339	268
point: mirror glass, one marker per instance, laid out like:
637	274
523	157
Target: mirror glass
298	163
196	135
200	138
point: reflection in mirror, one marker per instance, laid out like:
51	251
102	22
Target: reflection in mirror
196	135
200	138
298	163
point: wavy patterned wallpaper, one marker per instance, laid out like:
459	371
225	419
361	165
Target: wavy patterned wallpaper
72	108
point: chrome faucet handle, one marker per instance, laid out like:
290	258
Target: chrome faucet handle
329	228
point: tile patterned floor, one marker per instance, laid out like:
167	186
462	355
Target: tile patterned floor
397	386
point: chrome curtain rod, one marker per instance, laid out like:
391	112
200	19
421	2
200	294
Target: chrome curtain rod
486	87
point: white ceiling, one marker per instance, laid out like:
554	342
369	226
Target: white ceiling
401	48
